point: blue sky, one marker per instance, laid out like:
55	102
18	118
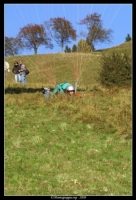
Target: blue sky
117	17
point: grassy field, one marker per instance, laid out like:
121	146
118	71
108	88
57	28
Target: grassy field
67	146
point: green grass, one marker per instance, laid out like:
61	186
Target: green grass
67	146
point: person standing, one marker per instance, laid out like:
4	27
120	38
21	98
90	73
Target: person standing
22	72
15	70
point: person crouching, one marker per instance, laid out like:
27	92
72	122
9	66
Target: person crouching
70	90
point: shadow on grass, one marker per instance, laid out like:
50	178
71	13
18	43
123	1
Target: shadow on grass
12	90
18	90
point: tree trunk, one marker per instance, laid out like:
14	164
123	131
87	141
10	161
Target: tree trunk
35	50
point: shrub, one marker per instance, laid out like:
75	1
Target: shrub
116	69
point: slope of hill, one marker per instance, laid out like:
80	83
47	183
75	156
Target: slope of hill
123	46
47	69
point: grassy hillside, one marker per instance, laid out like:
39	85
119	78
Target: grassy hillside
126	46
61	67
67	145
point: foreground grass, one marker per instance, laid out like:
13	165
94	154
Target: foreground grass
68	146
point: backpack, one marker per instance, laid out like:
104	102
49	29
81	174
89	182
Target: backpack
60	88
27	71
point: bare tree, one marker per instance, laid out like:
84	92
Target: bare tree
33	36
96	32
11	46
61	31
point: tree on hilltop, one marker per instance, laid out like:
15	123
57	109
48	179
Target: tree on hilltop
61	31
74	48
96	32
83	46
128	38
12	46
33	36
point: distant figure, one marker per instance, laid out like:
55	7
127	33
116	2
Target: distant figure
6	66
15	70
22	72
